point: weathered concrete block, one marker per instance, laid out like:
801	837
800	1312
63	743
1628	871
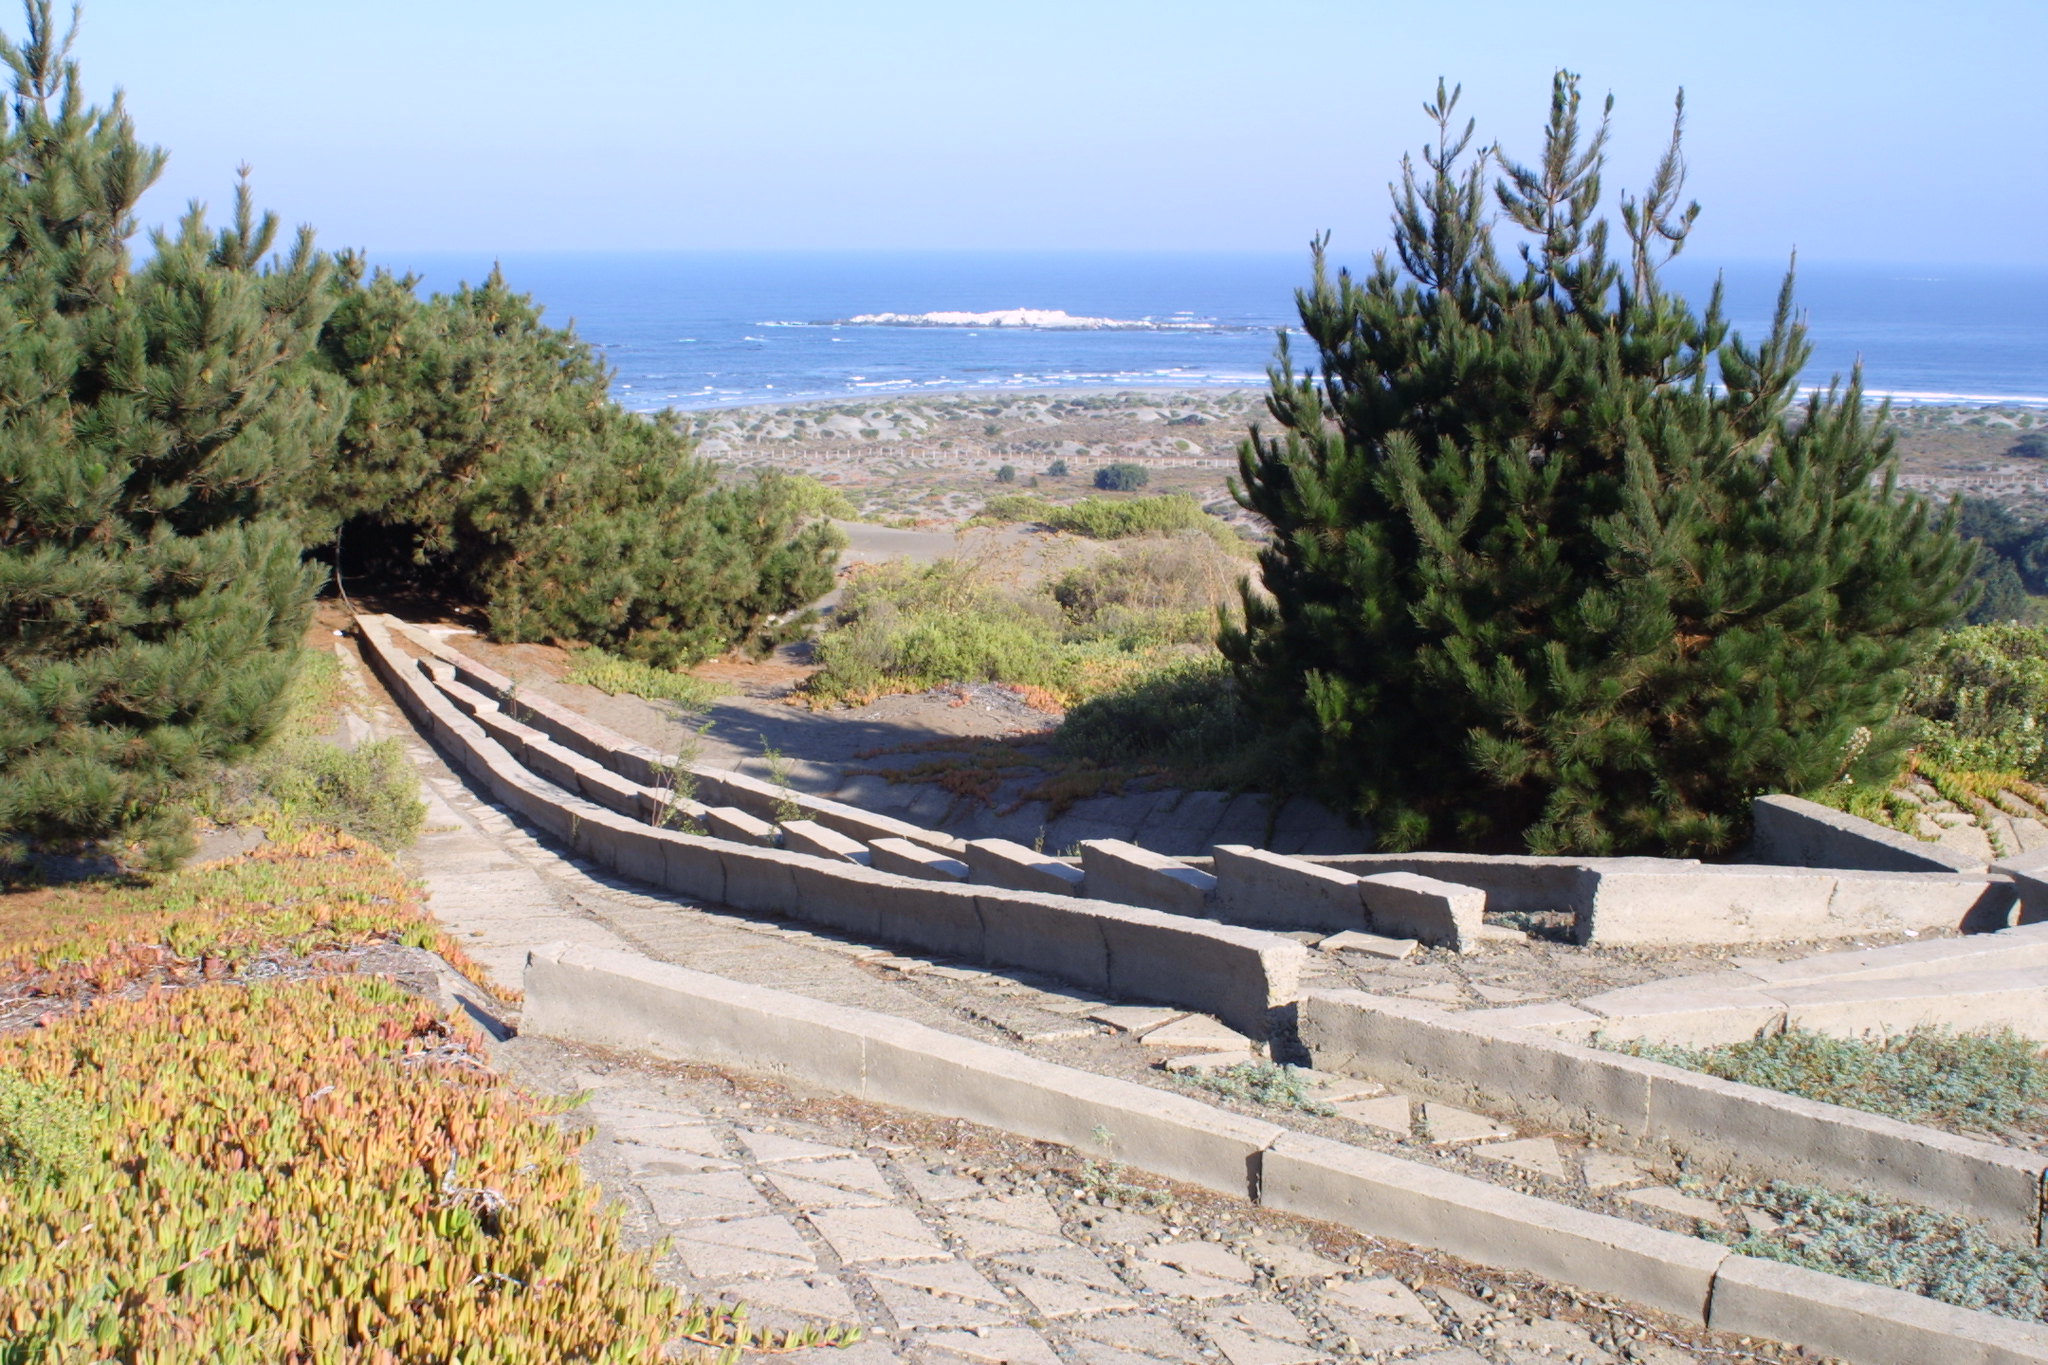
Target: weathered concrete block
1409	905
1157	1131
1698	904
1472	1060
693	866
808	836
624	1000
1270	891
913	860
1384	1196
762	878
1687	1018
730	822
1800	833
2002	950
1056	935
1864	1323
624	845
1114	870
1974	903
1510	883
1237	974
768	799
1964	1000
999	862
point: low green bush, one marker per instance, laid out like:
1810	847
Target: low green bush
1122	476
1982	696
613	675
1187	718
370	791
1937	1256
1114	518
1981	1082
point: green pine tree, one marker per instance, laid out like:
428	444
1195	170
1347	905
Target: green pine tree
484	461
154	428
1536	577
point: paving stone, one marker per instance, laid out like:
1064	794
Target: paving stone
1119	1227
1441	992
1382	1296
1466	1309
1370	945
706	1196
877	1234
689	1139
848	1173
1261	1334
1066	1282
1060	1034
1547	1338
1287	1261
1032	1211
983	1238
769	1148
940	1186
1450	1355
914	1308
642	1159
1207	1061
1386	1338
1529	1154
1332	1088
813	1194
745	1248
1060	1002
994	1346
1170	1283
811	1296
1134	1018
1148	1336
1501	995
956	1278
1447	1125
1197	1030
1389	1113
1607	1170
1668	1200
1200	1258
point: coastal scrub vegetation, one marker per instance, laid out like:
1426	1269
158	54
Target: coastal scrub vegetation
177	436
1557	561
1113	518
1138	607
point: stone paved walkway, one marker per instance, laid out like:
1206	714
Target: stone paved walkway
941	1260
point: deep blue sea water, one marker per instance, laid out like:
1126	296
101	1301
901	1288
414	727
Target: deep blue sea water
704	329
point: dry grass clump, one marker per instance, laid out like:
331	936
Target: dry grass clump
321	1171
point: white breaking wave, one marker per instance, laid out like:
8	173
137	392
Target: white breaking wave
1035	319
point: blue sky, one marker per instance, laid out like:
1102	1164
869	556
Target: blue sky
1864	131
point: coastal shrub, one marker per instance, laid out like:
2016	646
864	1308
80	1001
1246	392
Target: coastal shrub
305	779
153	436
615	676
1122	476
1006	474
1187	718
1556	561
907	628
1981	698
1113	518
1057	470
1994	1082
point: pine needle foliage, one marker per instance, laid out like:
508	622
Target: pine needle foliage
154	427
483	459
1558	560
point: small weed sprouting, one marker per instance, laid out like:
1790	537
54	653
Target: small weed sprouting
1104	1183
1935	1255
786	807
1975	1082
1261	1083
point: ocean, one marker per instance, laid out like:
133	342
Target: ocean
723	329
